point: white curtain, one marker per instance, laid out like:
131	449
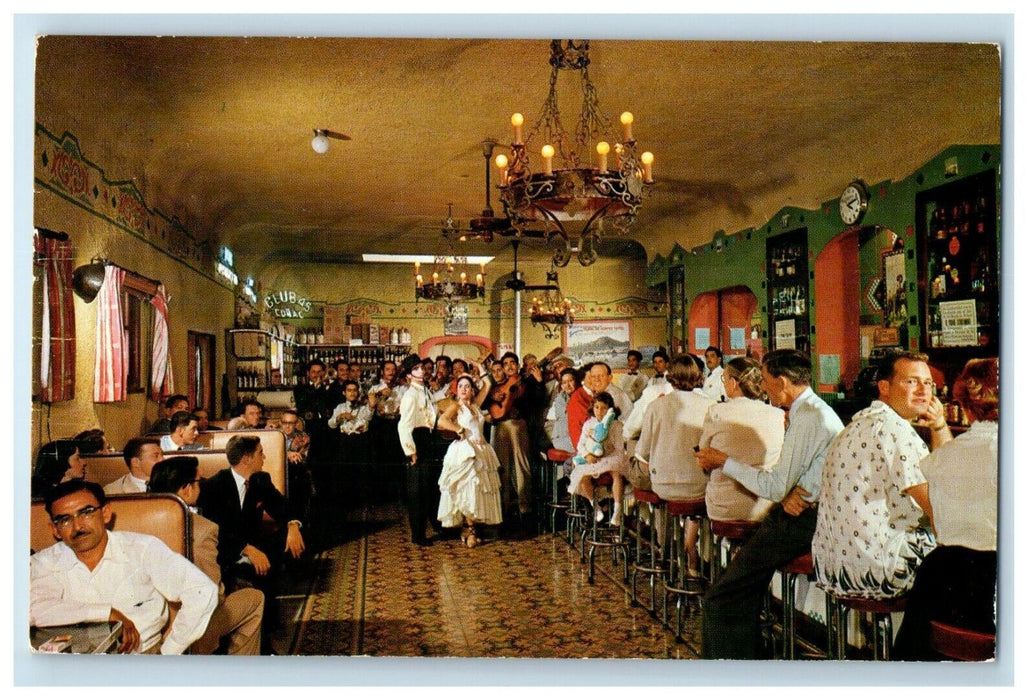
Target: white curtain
161	364
111	366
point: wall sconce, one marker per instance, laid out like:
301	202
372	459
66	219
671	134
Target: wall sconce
88	279
320	143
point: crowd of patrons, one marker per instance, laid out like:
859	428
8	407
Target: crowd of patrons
881	512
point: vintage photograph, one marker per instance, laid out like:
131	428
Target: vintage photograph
294	372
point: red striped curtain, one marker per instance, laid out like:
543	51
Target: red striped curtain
111	364
161	363
57	345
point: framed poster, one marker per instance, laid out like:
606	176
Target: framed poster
598	341
895	310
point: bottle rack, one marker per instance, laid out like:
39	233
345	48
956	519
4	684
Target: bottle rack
787	284
957	226
250	357
368	356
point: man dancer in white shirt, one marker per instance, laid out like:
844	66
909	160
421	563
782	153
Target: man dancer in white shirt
416	425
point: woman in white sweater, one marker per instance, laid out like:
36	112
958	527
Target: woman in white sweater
748	430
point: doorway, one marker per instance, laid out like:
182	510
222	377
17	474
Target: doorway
201	371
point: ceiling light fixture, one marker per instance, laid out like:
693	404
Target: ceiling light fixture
443	285
589	196
552	310
320	141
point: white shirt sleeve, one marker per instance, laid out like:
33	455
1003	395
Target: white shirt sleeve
407	421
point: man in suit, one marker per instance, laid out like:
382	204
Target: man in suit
238	617
235	500
141	455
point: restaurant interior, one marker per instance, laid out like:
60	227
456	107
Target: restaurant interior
367	195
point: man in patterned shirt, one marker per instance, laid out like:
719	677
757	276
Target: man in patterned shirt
868	539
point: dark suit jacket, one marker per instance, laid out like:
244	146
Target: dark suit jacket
242	526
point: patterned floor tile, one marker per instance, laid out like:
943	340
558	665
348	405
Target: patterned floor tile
379	595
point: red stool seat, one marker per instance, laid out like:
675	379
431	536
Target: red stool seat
799	565
644	496
733	529
555	455
604	479
875	606
694	509
961	644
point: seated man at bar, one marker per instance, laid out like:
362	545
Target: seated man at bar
956	583
141	454
184	434
869	541
732	606
93	575
173	404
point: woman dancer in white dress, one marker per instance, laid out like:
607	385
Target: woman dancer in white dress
470	481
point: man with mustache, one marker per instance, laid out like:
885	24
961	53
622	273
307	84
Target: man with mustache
92	575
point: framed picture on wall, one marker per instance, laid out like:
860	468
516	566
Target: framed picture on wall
895	310
598	341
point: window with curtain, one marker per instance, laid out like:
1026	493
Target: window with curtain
53	338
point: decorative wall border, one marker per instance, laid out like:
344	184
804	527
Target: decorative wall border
61	168
624	308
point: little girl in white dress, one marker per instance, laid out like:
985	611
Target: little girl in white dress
601	449
470	481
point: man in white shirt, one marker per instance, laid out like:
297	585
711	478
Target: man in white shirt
713	382
184	435
141	454
417	416
633	381
93	575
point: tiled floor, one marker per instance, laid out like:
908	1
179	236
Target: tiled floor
378	595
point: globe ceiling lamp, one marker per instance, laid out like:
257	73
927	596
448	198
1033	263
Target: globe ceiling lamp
576	200
446	282
550	309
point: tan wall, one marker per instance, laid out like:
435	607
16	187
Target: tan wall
196	304
610	288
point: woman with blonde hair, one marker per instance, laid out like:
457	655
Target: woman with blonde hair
748	430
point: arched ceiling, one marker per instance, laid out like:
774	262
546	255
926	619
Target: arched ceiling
217	131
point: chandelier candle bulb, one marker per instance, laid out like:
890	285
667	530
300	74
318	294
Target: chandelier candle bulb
648	162
627	125
434	278
502	162
602	150
547	159
517	119
463	278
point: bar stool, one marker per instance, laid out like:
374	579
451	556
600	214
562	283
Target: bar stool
734	533
837	633
678	582
961	644
789	572
556	505
608	536
654	566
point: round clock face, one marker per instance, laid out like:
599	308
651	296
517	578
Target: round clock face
853	203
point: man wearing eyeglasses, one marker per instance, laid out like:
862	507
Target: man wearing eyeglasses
93	575
868	540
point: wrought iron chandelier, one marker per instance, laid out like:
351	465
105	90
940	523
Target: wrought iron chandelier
445	284
585	197
552	310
